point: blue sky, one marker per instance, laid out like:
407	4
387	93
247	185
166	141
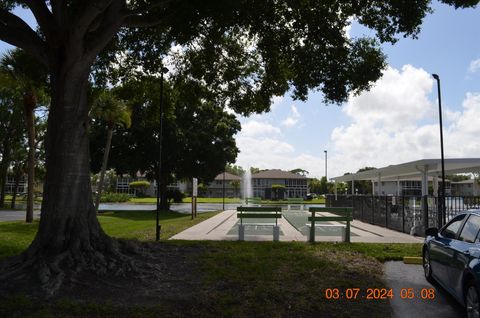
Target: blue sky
396	121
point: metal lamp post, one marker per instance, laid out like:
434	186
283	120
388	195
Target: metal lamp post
223	206
442	212
326	177
325	165
164	70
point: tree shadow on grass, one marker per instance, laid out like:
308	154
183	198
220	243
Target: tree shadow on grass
143	215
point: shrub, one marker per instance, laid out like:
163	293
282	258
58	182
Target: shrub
140	186
175	195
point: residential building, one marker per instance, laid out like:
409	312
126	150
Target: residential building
10	185
233	186
123	185
466	188
291	185
406	187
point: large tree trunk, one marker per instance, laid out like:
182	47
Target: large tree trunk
104	166
69	238
30	101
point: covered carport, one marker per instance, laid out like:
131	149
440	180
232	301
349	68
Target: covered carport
423	170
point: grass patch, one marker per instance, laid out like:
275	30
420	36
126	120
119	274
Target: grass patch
289	279
16	236
246	279
239	279
384	252
140	225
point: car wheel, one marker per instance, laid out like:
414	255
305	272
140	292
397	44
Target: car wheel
472	300
427	267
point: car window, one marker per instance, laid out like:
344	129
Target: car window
451	229
470	229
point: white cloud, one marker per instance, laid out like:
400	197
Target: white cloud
272	153
275	102
257	128
262	145
395	122
348	28
474	66
292	120
397	100
295	112
289	122
461	137
262	152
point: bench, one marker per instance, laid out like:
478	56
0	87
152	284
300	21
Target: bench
257	201
244	212
341	215
295	202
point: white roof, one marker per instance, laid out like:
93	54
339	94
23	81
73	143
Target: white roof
412	170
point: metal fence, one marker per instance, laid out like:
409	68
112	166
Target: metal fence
402	213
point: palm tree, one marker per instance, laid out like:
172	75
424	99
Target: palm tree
31	77
112	111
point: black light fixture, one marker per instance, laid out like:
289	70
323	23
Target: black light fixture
164	70
442	212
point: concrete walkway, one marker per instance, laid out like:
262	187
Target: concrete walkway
217	228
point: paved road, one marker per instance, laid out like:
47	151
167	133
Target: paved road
16	215
398	275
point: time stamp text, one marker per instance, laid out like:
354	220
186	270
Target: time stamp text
377	293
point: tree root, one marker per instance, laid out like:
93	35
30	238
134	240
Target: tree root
49	274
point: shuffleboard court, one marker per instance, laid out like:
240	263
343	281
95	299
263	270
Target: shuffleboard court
299	220
254	229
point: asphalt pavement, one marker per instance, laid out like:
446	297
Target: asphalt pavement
17	215
398	276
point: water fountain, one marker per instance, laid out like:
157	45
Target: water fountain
247	184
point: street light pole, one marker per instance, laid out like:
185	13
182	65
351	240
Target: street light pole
223	191
160	136
442	198
326	178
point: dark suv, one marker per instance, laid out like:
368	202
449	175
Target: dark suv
451	256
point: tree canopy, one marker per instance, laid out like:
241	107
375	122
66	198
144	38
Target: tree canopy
241	53
198	135
299	171
234	169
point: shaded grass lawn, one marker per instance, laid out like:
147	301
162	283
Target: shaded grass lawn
140	225
252	279
234	279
